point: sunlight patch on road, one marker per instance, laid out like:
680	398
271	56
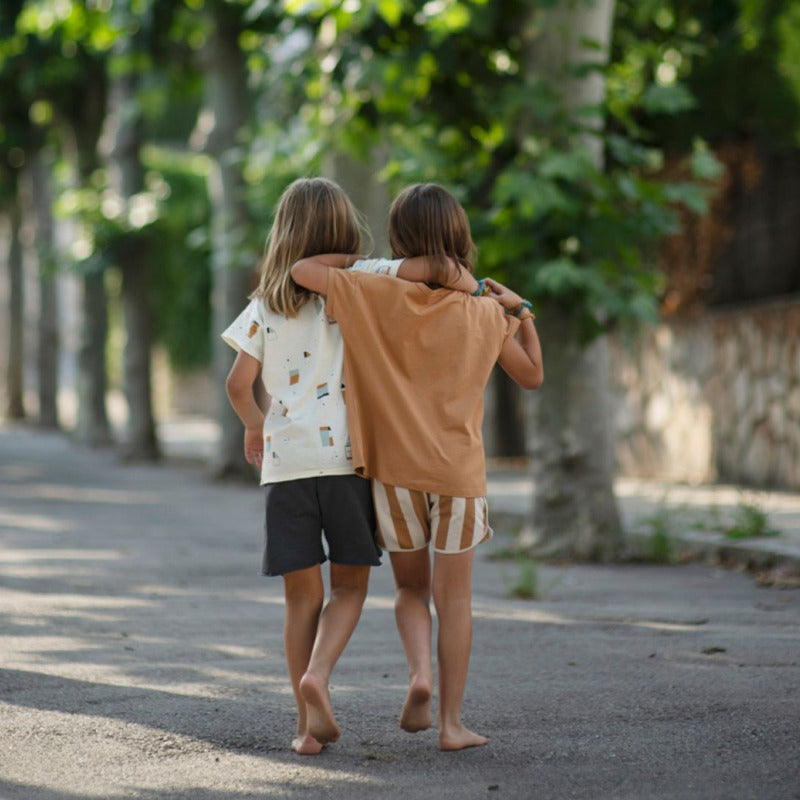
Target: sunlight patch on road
26	556
83	494
55	604
237	651
516	614
34	522
658	626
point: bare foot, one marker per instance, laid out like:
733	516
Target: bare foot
416	713
321	722
459	738
306	745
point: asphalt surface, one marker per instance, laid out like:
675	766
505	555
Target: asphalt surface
141	657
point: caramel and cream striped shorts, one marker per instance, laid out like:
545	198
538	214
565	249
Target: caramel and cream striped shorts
409	519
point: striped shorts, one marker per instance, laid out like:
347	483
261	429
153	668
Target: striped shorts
409	519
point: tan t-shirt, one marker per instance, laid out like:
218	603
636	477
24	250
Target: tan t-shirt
416	363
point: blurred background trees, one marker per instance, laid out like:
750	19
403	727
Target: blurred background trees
143	145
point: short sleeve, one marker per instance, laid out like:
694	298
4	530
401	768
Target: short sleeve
336	280
244	333
378	266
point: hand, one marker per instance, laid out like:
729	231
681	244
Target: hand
508	299
254	446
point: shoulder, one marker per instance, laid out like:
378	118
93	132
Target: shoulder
487	312
370	283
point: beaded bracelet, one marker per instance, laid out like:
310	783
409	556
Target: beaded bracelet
525	305
482	289
526	313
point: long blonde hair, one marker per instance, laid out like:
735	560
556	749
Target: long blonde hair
313	216
426	220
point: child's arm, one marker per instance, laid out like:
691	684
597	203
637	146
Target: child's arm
521	356
418	270
239	386
312	273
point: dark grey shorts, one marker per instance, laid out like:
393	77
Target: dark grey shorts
297	513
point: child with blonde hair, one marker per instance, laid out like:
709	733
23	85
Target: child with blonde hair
417	360
301	444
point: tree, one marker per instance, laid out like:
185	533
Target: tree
13	135
15	405
572	455
123	139
64	76
48	339
221	130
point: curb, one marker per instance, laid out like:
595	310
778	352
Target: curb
768	553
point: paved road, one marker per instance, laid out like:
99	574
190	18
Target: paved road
141	658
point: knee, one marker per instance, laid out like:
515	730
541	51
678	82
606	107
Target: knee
309	600
448	597
416	593
356	593
349	582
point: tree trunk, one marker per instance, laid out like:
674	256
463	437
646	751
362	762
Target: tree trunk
369	196
575	512
48	345
122	141
15	405
571	447
226	109
92	425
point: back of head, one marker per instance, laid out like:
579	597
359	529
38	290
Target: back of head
426	220
313	216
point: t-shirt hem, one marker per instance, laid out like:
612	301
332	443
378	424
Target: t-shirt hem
308	473
430	488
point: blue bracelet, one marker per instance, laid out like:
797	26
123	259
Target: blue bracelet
518	310
482	289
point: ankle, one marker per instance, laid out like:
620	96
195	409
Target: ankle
320	676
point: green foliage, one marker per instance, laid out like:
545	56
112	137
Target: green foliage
750	522
181	262
450	97
738	60
525	585
659	546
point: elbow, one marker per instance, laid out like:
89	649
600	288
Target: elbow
534	380
302	273
234	388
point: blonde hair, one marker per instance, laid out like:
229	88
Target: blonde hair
313	216
426	220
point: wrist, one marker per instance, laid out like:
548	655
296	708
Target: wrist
522	310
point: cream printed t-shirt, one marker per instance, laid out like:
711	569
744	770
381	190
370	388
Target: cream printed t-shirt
305	429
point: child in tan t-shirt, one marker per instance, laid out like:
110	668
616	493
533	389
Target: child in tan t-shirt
417	359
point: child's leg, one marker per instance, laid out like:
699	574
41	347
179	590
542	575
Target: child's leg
304	593
336	625
412	571
452	595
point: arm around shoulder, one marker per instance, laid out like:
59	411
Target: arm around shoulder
311	274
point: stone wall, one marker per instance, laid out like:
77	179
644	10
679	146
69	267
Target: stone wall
712	398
